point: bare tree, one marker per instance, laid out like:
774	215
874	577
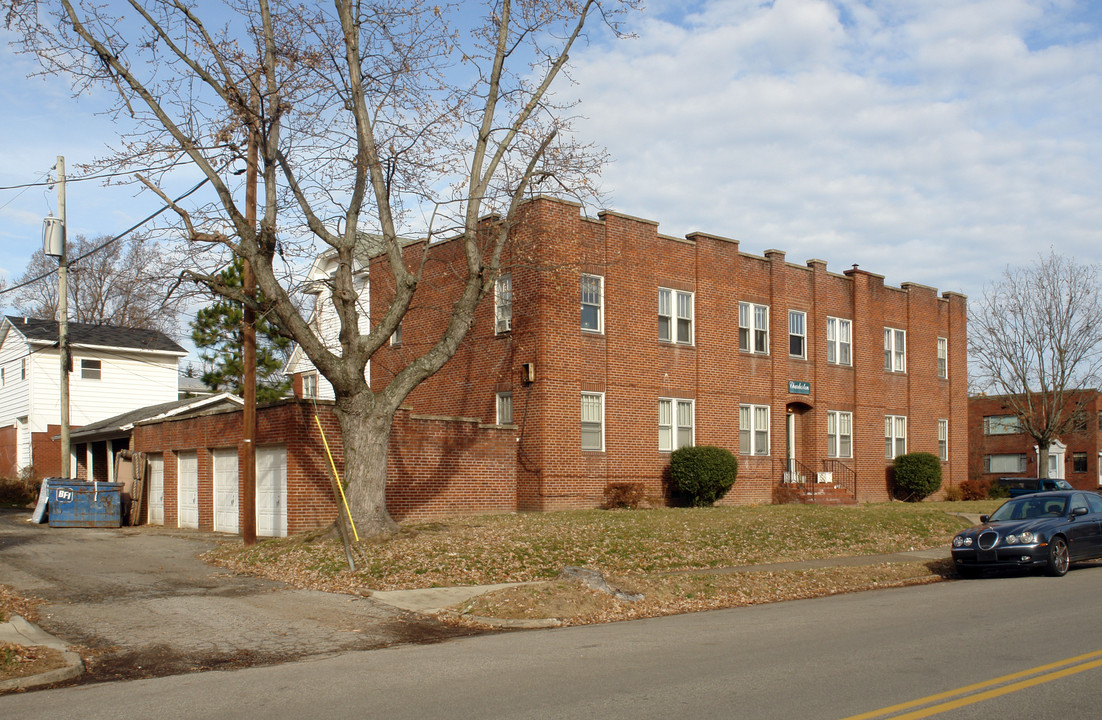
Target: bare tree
1035	337
125	283
400	118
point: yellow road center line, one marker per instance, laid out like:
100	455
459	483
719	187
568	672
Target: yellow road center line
967	689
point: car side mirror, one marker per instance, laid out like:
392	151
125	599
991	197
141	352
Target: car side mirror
983	519
1078	512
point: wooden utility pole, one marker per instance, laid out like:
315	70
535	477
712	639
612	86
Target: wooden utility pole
63	323
248	282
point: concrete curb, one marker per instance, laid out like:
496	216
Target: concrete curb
21	632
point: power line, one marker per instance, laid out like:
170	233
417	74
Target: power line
116	238
48	183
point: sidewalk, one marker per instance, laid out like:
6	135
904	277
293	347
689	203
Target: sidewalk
429	601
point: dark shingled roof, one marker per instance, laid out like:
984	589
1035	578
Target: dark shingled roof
116	425
101	335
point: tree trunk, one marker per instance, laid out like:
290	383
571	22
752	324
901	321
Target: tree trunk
365	434
1042	460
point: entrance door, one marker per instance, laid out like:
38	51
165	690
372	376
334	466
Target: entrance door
271	491
187	489
156	489
790	443
225	490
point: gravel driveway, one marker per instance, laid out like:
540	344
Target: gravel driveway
140	603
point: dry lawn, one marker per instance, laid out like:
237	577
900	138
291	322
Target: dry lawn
640	548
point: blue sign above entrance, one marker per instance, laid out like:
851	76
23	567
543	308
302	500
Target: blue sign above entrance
799	387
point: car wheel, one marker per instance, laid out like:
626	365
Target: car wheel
1058	558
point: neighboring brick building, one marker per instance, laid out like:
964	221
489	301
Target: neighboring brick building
608	344
999	448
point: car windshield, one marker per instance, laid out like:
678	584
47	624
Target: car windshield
1030	507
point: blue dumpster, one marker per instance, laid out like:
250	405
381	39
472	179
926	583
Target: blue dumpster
74	503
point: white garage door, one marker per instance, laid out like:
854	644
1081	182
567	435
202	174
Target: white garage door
225	490
271	491
187	489
156	489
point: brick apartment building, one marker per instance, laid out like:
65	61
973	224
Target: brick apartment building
999	448
607	345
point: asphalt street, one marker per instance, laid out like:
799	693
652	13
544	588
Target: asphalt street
1004	647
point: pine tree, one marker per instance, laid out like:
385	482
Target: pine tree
217	334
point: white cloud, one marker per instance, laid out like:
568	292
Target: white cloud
931	142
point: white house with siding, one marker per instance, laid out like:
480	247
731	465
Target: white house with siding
114	370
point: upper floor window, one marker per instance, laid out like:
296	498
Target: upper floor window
943	439
895	436
753	328
839	344
396	336
839	434
593	421
90	369
942	358
895	350
1079	421
753	423
1001	425
797	333
310	385
593	303
503	303
505	408
675	316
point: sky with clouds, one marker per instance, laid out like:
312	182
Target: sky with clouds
931	142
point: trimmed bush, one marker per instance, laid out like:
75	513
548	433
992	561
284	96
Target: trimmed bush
702	474
976	489
917	475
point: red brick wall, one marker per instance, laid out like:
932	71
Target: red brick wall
981	445
437	467
555	245
46	452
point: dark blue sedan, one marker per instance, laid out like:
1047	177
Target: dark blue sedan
1048	530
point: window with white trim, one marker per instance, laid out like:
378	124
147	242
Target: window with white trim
839	343
91	369
310	385
797	333
503	303
505	408
753	422
895	436
593	298
23	369
675	316
753	328
396	336
839	434
1007	463
675	424
593	421
943	439
895	350
942	357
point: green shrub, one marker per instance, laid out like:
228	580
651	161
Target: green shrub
917	475
997	492
702	474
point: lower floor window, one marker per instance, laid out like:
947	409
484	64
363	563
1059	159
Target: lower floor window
753	422
839	434
1004	463
675	424
505	408
593	421
1079	462
895	436
943	440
